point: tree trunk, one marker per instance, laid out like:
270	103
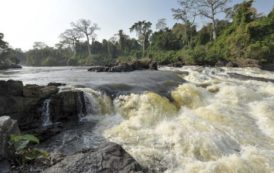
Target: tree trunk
214	29
144	48
89	51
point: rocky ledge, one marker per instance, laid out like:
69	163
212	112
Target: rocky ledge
126	67
21	112
108	158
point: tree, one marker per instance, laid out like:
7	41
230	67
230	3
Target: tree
86	28
142	28
209	9
187	14
39	45
161	24
122	40
3	44
71	37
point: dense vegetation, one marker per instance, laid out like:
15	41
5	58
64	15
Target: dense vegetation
243	38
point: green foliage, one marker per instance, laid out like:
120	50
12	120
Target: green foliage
246	37
20	144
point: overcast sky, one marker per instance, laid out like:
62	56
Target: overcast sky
26	21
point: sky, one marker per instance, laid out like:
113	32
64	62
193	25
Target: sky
26	21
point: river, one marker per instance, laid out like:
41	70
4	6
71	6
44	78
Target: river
189	119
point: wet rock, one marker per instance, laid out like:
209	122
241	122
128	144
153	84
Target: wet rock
4	166
269	67
45	133
9	66
126	67
110	158
40	92
56	84
66	106
7	127
11	87
23	103
248	63
99	69
245	77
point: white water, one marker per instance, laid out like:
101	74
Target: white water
46	121
215	124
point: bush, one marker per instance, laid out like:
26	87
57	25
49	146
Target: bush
20	145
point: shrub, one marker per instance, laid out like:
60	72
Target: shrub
20	145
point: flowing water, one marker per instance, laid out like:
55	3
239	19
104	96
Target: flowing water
221	120
46	121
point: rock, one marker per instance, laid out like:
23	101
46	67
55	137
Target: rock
110	158
126	67
67	106
7	127
269	67
44	134
11	87
40	92
99	69
248	63
220	63
56	84
4	166
23	103
9	66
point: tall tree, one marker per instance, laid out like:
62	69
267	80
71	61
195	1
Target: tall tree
209	9
87	28
39	45
161	24
122	40
187	14
3	44
71	37
143	30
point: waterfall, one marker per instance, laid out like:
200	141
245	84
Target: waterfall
46	113
96	103
81	107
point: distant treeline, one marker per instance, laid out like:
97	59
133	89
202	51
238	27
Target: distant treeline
243	38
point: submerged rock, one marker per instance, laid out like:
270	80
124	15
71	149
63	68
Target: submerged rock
111	158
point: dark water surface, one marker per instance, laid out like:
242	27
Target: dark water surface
137	81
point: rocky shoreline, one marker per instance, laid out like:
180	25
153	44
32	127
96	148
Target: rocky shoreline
21	112
126	67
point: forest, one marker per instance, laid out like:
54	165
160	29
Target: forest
242	38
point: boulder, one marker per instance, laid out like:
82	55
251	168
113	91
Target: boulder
40	92
110	158
67	106
7	127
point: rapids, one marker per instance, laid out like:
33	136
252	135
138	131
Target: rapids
212	124
176	120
